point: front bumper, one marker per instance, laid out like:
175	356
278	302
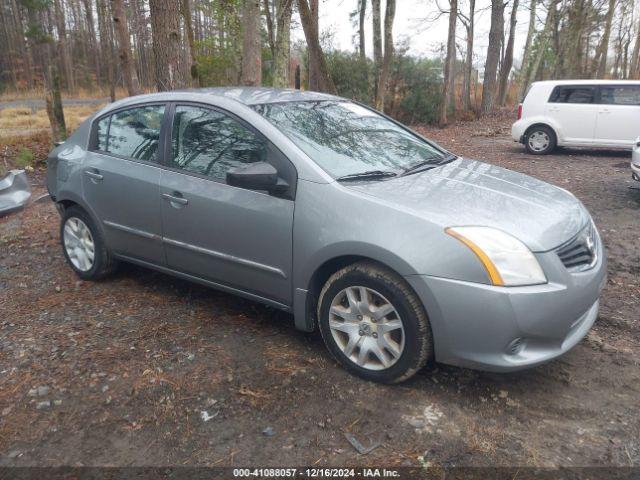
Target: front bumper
510	328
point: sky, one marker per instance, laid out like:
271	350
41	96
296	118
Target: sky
425	38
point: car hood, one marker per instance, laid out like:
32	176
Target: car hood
468	192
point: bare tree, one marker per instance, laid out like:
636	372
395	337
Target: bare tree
62	45
165	26
319	75
507	58
449	63
635	56
469	23
496	34
600	60
526	54
545	37
53	101
124	51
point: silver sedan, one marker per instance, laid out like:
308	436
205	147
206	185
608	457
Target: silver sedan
395	249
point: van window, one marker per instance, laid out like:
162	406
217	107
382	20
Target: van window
572	94
620	95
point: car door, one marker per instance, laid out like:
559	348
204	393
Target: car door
232	236
121	180
618	121
574	112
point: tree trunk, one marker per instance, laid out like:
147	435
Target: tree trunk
165	28
319	75
377	49
635	57
603	48
526	55
448	63
389	17
124	47
188	31
507	60
468	67
251	45
363	14
496	34
53	101
106	45
270	29
282	43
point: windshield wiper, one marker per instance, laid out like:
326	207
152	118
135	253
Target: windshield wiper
431	163
367	175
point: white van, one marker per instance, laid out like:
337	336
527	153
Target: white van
579	113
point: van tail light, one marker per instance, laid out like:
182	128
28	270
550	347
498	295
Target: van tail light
519	111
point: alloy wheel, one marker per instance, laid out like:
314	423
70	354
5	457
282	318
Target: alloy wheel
366	327
79	244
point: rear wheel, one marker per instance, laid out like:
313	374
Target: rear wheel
540	140
83	245
374	324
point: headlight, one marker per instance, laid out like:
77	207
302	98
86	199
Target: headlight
507	260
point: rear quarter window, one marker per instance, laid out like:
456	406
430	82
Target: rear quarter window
620	95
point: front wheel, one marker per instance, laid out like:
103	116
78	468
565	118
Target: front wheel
540	140
374	324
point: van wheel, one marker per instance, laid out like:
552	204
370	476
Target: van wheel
83	245
374	324
540	140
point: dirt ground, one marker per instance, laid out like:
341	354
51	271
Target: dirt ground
144	369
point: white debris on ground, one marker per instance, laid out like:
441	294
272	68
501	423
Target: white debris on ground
426	420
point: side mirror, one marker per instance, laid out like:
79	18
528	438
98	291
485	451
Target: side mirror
256	176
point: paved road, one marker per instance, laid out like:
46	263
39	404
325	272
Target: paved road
36	104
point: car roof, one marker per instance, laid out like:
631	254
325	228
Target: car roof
260	95
243	95
588	82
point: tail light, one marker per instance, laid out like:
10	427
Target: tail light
519	111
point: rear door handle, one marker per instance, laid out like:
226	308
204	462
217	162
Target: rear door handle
605	111
175	198
94	175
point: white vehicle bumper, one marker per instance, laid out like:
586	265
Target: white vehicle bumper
517	131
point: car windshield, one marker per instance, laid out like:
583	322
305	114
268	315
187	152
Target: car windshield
346	139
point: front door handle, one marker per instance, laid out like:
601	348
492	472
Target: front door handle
175	198
94	175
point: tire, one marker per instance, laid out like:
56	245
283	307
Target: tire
540	140
102	263
412	345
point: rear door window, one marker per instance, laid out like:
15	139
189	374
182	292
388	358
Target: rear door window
573	94
620	95
131	133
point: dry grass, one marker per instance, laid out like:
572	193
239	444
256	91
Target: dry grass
25	121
